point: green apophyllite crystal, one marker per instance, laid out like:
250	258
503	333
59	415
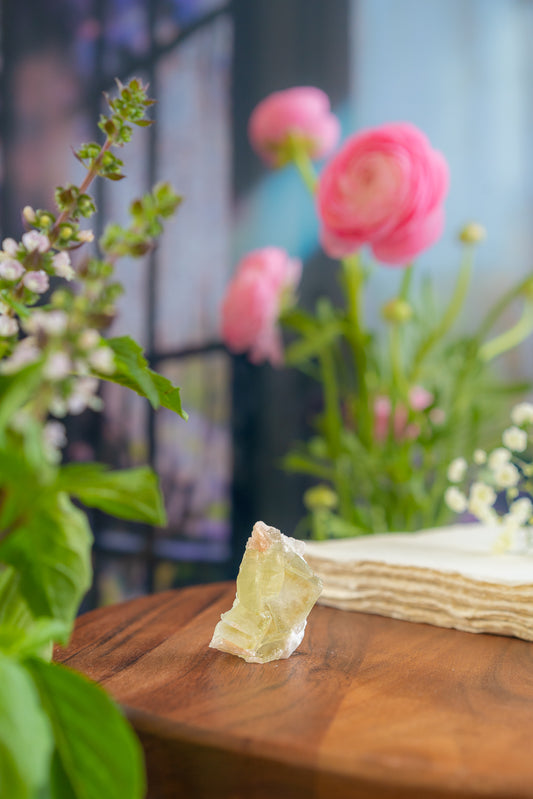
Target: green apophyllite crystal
276	589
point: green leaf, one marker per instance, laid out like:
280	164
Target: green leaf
33	640
16	390
129	494
51	550
26	742
169	395
132	368
98	754
133	372
314	343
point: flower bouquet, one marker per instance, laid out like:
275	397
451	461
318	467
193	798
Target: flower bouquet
399	403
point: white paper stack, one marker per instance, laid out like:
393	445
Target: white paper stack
449	577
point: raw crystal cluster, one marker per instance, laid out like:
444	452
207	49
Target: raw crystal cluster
276	589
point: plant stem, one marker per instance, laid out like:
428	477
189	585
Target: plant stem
495	312
303	164
511	338
398	376
353	283
450	314
332	417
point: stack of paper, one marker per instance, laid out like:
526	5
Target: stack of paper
449	577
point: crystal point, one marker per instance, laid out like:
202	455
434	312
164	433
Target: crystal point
276	590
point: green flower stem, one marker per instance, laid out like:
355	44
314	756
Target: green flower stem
450	314
353	283
303	164
398	376
495	312
332	414
511	338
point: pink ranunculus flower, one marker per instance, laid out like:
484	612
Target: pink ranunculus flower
303	112
384	188
263	284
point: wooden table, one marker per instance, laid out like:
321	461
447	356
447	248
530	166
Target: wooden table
366	707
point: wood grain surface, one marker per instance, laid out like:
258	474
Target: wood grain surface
366	707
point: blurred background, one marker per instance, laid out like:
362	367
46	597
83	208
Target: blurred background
461	70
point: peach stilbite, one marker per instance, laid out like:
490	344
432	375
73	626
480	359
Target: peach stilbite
384	188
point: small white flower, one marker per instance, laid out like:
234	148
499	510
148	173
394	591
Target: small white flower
506	475
51	322
55	435
8	326
515	439
480	457
499	456
481	492
10	247
102	360
483	512
36	281
522	413
28	214
58	407
62	266
521	510
25	352
89	339
86	236
457	470
36	241
455	499
58	366
83	396
11	269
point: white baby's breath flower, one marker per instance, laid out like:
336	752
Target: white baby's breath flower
515	439
521	510
36	281
102	360
11	269
484	512
480	457
10	247
36	241
455	499
89	339
8	326
522	413
499	456
506	475
481	492
457	470
62	266
57	366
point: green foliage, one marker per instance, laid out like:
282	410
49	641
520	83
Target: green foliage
61	737
132	371
96	754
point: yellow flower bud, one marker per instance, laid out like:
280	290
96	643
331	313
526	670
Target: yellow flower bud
28	214
320	497
473	233
397	310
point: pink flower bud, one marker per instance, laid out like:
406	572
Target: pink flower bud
420	398
10	247
384	188
36	281
61	265
303	113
